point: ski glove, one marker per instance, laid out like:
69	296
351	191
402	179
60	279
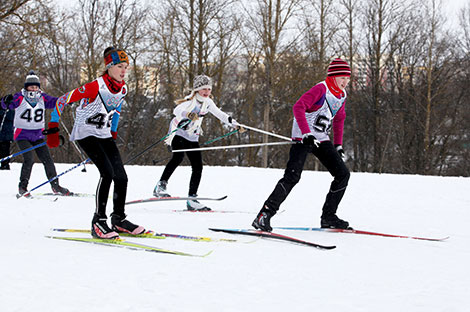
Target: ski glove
310	140
52	133
193	116
7	99
114	134
236	125
340	151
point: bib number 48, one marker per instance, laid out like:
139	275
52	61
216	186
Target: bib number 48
99	120
38	115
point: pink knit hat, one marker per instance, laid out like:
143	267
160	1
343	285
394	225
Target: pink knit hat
338	67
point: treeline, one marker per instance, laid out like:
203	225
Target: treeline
408	101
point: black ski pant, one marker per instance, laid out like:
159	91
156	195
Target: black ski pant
105	155
4	152
195	158
330	158
28	162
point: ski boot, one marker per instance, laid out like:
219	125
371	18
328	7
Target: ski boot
195	205
4	166
160	189
23	190
100	228
263	220
331	221
59	190
121	225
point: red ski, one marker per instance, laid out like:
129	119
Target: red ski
360	232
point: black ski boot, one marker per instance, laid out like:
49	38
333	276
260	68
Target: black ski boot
331	221
121	225
263	220
100	229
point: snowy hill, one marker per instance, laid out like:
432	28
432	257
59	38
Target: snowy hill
364	273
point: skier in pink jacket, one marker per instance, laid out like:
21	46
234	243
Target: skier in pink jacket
317	110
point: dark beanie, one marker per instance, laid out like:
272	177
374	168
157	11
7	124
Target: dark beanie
32	80
338	67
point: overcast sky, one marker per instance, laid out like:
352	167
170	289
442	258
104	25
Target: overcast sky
451	7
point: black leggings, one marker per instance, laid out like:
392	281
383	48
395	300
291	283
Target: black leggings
195	158
4	152
330	158
105	155
28	161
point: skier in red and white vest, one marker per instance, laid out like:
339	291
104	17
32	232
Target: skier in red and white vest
95	130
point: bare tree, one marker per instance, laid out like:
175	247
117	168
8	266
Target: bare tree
268	20
382	25
9	9
349	47
89	34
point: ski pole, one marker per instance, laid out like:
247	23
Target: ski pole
54	178
74	144
266	132
3	120
23	151
221	137
153	144
208	142
232	146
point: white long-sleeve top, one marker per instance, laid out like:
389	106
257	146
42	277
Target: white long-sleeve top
200	106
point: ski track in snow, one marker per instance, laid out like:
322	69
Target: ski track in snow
364	273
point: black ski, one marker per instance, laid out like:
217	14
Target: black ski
276	236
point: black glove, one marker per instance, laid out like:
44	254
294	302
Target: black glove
340	151
183	124
235	124
7	99
309	139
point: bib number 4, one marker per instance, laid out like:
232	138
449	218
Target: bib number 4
99	120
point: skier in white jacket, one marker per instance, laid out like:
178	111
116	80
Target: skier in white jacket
189	114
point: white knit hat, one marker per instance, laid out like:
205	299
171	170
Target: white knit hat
202	82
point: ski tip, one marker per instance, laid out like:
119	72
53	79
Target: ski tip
434	239
207	254
216	230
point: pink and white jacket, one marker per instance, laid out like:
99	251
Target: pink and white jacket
317	111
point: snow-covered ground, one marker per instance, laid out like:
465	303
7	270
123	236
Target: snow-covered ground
364	273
